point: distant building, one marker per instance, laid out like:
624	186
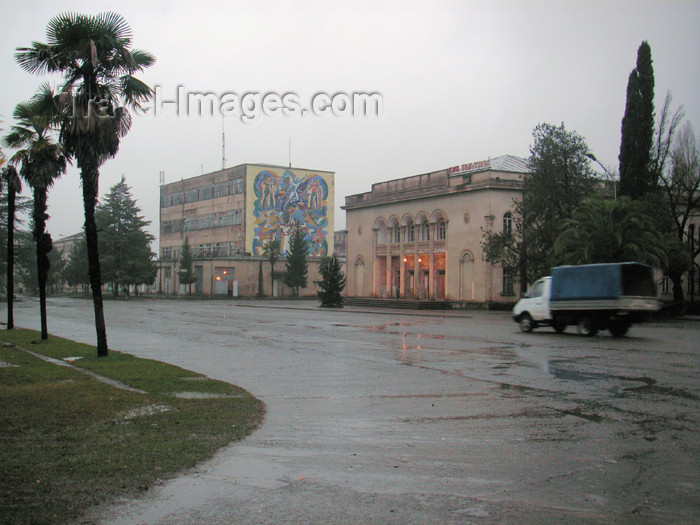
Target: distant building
227	217
339	241
65	244
420	236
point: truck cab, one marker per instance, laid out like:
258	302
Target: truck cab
532	309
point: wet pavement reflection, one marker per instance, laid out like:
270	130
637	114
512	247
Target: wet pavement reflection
397	417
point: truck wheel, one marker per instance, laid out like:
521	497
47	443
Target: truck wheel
619	328
586	327
526	323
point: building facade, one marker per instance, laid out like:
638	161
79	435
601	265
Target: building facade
227	217
419	237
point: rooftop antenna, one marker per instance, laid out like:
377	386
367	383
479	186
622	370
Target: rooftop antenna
161	174
223	144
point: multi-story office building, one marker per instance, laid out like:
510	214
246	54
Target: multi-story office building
227	217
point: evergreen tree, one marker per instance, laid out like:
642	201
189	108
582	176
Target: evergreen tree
560	177
297	267
637	178
124	243
332	282
186	274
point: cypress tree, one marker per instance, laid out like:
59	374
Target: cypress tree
636	177
297	267
186	274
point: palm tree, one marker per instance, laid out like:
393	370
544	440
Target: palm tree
95	57
271	252
41	162
602	231
14	186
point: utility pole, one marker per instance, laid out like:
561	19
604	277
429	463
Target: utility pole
609	175
223	144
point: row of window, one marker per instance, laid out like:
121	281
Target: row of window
203	222
204	251
419	232
221	189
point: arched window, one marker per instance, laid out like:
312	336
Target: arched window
507	282
410	231
508	223
395	234
425	231
442	230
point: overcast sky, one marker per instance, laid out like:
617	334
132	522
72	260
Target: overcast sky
460	82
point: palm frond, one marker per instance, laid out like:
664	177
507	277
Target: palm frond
135	91
38	59
142	59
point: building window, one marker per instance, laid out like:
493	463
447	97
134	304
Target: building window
395	234
221	189
441	230
410	232
508	223
507	282
665	285
206	193
425	231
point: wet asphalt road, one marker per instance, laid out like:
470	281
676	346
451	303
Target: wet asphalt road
395	417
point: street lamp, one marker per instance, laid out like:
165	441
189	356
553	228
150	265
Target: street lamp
609	175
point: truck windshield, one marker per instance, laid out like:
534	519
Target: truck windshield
535	290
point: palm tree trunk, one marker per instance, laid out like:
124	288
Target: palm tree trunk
43	246
89	180
11	194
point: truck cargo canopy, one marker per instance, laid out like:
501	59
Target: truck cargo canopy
602	281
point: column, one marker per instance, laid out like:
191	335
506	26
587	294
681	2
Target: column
431	267
402	266
375	277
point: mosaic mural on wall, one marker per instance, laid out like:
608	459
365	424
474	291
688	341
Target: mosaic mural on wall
282	200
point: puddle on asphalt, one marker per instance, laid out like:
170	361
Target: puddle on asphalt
571	374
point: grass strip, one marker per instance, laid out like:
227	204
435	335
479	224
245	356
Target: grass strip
69	442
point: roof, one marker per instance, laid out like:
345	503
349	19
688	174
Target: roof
510	163
75	237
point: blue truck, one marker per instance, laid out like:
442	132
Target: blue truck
591	297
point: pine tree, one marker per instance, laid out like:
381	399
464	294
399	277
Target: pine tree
332	282
186	274
297	267
636	176
124	243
